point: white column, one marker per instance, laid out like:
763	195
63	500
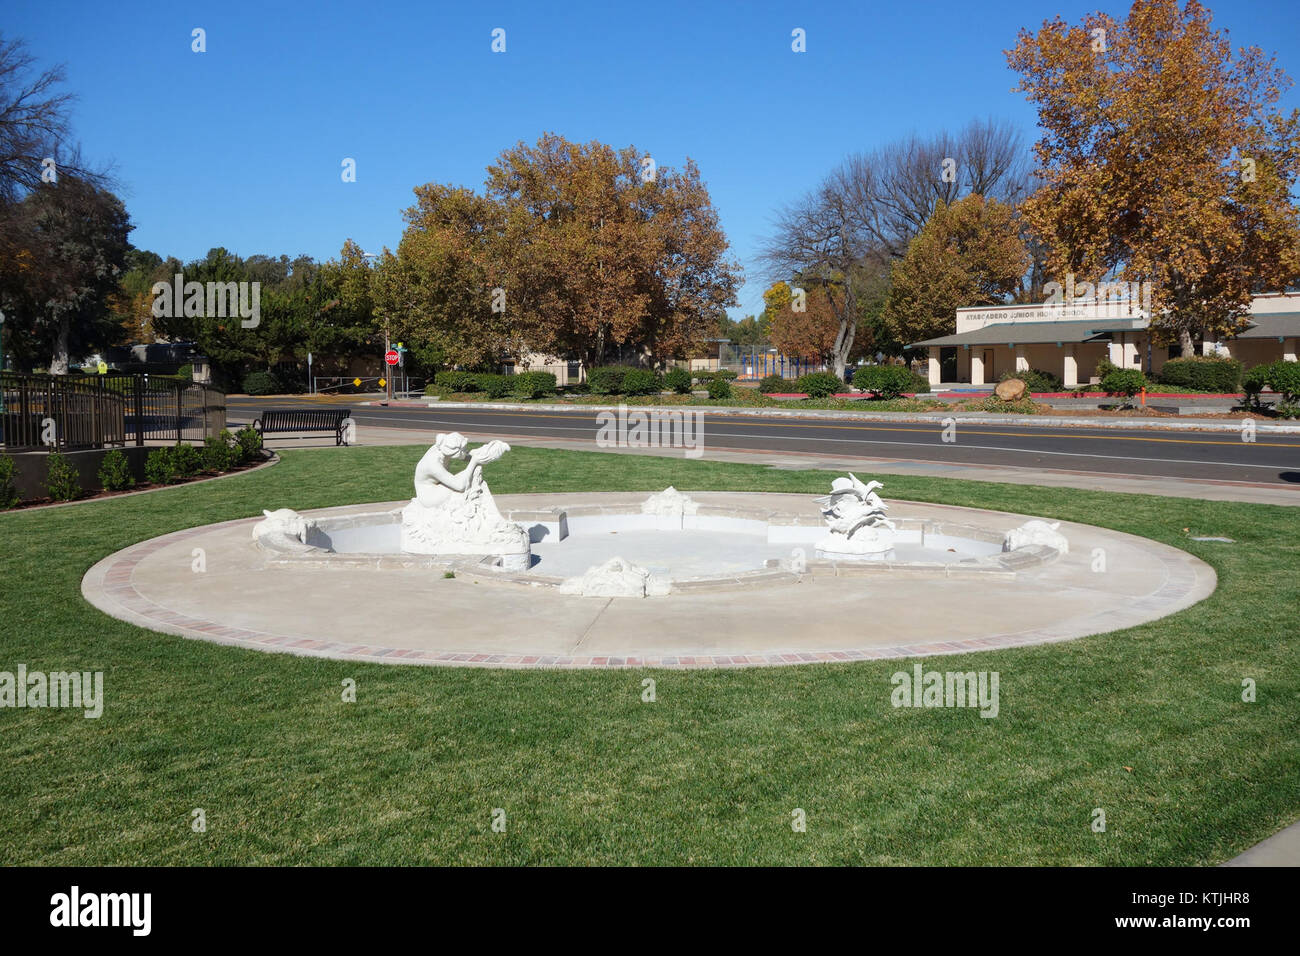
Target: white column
1070	369
976	367
1131	357
1022	362
932	367
1289	350
1115	349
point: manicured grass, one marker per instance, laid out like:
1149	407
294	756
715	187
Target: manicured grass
1147	724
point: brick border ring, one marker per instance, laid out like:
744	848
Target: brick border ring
212	583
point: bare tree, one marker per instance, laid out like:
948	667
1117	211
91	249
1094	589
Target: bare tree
867	210
33	123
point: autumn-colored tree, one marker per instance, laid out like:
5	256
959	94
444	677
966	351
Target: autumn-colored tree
602	255
572	249
806	328
437	289
969	253
1165	159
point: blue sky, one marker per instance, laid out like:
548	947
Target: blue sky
241	146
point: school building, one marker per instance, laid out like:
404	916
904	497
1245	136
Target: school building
1069	340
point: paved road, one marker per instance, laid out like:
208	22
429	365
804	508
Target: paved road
1272	459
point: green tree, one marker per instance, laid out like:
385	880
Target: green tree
969	253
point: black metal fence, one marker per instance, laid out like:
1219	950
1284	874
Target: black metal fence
45	411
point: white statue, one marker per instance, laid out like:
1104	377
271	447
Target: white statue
284	530
669	503
453	513
616	578
855	517
1036	532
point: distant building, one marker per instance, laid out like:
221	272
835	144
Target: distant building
1069	340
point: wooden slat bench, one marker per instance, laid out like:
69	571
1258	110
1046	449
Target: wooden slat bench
278	421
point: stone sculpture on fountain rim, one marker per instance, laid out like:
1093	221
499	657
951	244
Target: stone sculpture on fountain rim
454	512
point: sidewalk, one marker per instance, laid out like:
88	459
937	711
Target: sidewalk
972	418
1281	849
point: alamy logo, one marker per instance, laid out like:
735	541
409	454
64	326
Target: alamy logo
81	690
652	428
214	300
103	909
924	688
1102	300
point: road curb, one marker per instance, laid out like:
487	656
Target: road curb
937	418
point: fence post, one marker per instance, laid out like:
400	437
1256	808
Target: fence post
139	410
178	414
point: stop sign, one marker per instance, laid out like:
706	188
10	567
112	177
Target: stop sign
391	357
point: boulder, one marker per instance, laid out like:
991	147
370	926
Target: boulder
1011	390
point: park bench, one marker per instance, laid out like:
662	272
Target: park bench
279	421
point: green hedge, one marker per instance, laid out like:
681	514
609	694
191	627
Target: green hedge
623	380
607	379
775	384
533	384
885	381
641	381
818	384
259	383
1125	382
679	380
719	388
1204	373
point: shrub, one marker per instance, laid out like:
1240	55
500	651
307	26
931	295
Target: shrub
607	380
186	460
919	382
115	472
493	385
8	485
61	482
220	453
1284	378
533	384
1254	382
456	381
775	384
1036	380
159	468
1020	406
1204	373
818	384
249	441
704	375
1104	367
259	383
1125	382
884	381
641	381
679	380
719	388
185	373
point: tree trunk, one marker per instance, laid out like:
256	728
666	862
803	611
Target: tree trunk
1187	348
59	361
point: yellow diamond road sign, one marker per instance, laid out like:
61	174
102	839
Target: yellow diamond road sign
382	382
356	381
102	368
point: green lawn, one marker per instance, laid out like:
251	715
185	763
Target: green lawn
1147	724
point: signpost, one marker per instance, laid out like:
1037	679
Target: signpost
392	357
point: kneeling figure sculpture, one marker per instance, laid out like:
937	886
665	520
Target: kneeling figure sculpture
453	513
